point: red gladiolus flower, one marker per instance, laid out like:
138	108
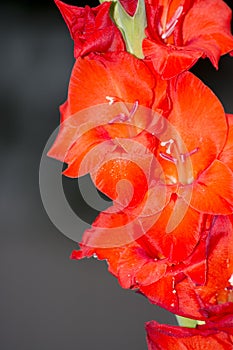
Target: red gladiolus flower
92	29
158	143
180	32
157	237
204	287
193	106
217	335
198	287
113	78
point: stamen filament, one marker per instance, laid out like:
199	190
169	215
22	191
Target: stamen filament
169	28
167	157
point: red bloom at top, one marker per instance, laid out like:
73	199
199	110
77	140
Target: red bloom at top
179	32
92	29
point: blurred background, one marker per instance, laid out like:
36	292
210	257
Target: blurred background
48	301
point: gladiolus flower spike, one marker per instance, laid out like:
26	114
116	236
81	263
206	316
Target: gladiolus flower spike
157	141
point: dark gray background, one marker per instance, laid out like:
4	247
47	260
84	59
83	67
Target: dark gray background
48	301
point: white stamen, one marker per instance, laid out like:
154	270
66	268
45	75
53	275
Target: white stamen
169	143
175	17
170	26
110	99
169	31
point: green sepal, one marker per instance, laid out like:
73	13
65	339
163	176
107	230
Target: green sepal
131	27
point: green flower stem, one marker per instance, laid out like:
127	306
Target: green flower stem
188	322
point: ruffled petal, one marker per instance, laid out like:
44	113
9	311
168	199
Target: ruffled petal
111	255
195	105
218	289
180	32
178	225
169	61
136	268
213	190
86	147
161	293
121	76
205	31
121	79
226	155
91	28
166	337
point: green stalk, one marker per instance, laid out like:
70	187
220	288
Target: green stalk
188	322
131	27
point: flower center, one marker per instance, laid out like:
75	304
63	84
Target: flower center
180	160
122	117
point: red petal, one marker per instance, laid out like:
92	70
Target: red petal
112	229
169	61
203	30
131	261
111	255
124	175
197	33
151	272
123	180
213	190
91	28
82	147
196	264
165	337
220	262
227	154
93	147
174	230
120	76
137	268
195	105
161	293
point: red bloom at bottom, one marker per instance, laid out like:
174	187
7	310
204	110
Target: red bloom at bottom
212	336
